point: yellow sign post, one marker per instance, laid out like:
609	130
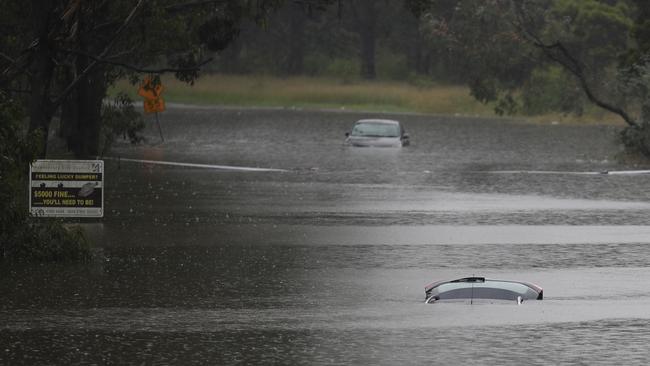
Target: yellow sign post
151	90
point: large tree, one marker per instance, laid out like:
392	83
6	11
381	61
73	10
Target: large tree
371	21
70	51
505	47
58	57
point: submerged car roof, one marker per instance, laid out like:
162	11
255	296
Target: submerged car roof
375	120
482	288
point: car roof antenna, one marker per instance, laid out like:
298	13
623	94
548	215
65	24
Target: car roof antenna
471	299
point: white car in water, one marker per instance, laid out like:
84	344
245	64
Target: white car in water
377	133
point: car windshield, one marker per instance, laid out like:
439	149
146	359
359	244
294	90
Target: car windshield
376	129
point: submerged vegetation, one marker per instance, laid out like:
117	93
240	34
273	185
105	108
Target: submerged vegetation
22	236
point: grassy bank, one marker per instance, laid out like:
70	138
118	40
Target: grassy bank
302	92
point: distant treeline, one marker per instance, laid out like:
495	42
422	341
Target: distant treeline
348	40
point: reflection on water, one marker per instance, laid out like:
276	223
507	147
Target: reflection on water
321	304
571	343
327	263
262	276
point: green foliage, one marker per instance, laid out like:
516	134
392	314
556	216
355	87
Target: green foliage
16	153
597	32
47	240
295	42
528	55
634	84
120	119
343	69
551	90
85	46
640	33
218	32
637	139
483	48
419	81
315	64
22	237
506	104
392	66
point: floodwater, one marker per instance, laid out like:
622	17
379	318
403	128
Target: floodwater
326	261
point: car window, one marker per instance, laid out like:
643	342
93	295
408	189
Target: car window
479	293
376	130
485	290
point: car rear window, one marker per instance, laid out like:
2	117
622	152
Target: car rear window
485	290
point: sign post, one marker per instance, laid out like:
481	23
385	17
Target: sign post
66	188
151	90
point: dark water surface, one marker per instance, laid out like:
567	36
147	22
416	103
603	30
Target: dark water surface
326	262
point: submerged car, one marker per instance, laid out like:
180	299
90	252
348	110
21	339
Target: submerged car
480	289
377	133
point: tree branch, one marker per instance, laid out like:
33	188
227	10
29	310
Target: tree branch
14	64
102	55
577	70
191	4
19	91
7	57
196	67
569	63
355	14
95	58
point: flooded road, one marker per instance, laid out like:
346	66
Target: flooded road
325	261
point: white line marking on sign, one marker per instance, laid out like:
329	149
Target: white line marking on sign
204	166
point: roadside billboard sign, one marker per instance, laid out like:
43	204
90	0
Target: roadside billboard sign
66	188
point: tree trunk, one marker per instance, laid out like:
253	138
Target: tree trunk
40	110
231	58
81	114
41	69
368	43
420	55
296	56
91	95
365	16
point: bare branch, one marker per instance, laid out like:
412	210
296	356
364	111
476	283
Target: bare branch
578	73
19	91
108	61
121	54
95	58
191	4
558	53
102	55
577	70
196	67
14	64
7	57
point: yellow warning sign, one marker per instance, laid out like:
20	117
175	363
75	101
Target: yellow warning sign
151	90
154	105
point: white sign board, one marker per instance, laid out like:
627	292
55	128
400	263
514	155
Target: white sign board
66	188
